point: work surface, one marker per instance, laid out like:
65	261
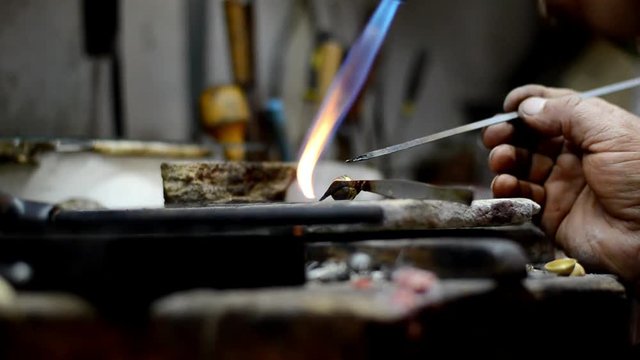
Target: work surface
576	315
161	285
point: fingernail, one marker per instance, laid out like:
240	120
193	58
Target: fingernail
533	106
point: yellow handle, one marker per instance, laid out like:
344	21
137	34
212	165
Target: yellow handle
238	14
225	113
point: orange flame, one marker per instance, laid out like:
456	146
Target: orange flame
343	91
316	143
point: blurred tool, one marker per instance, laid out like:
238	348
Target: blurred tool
413	85
609	89
350	130
100	20
26	150
327	53
239	26
325	63
197	20
345	188
225	110
225	113
273	111
414	82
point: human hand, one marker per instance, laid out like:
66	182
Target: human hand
580	160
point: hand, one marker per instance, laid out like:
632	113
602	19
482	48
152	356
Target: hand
580	160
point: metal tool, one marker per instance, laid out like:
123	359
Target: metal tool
605	90
238	16
273	110
415	75
20	215
345	188
26	150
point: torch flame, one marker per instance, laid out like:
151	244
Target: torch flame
343	92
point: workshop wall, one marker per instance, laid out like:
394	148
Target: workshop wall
49	87
469	61
45	81
154	57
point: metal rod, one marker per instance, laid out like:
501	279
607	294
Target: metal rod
604	90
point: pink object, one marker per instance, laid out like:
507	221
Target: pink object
417	280
362	283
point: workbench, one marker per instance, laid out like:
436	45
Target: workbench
536	317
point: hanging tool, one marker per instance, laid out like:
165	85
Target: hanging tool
101	29
327	58
344	188
239	14
273	110
414	83
274	115
351	129
197	35
605	90
225	114
327	54
225	110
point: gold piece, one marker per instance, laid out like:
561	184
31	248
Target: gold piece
561	267
578	270
344	189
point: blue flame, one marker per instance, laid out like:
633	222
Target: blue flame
353	73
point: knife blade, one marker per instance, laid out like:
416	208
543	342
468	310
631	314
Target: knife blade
347	189
499	118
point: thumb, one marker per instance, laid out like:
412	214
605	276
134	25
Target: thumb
582	122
